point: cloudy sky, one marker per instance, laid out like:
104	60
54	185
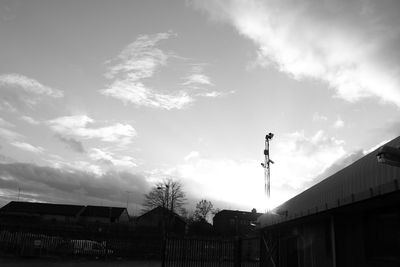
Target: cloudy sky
101	99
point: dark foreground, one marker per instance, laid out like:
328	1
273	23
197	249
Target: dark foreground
71	263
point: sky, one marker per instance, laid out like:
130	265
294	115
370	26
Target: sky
99	100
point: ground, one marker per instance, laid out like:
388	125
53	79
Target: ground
79	263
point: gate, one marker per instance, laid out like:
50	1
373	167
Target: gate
214	252
269	249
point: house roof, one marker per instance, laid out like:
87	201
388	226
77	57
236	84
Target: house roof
33	208
364	179
161	210
102	212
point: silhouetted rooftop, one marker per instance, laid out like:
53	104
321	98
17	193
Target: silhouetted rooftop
35	208
102	212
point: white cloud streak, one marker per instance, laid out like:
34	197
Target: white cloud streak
139	61
30	120
319	117
350	45
28	147
339	123
197	77
19	91
78	126
108	158
300	158
131	70
9	134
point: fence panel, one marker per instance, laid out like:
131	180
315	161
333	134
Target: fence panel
39	241
212	252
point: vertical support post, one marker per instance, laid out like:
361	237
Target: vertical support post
263	250
333	241
238	252
163	251
267	171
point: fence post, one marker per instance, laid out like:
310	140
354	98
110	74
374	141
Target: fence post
163	251
238	251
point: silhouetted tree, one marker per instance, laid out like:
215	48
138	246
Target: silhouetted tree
168	194
203	209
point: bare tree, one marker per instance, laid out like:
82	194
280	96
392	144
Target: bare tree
203	209
168	194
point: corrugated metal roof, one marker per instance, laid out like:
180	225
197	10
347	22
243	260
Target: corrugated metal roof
361	180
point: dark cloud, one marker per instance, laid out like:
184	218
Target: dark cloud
73	144
5	159
60	186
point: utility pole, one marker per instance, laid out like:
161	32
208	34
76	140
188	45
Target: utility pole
267	171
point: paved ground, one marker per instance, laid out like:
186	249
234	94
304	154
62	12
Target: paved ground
79	263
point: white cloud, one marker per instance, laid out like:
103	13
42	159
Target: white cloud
30	120
192	155
299	158
350	45
319	117
137	93
109	158
339	123
139	61
57	162
78	126
141	58
197	77
28	147
200	83
28	84
18	91
9	135
131	70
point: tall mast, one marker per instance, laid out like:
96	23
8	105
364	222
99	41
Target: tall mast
267	170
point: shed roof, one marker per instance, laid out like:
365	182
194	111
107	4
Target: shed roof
363	179
34	208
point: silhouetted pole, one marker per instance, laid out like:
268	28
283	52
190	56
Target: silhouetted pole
267	171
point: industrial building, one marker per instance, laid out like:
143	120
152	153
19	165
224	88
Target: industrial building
351	218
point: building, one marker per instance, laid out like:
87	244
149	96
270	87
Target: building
41	211
160	219
351	218
101	214
33	211
234	222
